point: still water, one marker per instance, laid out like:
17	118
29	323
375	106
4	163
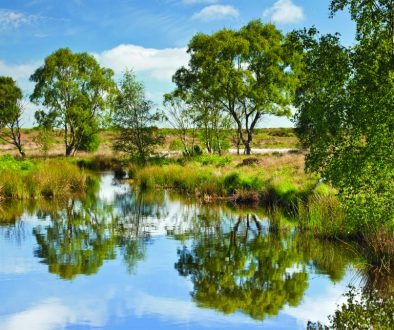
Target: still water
116	259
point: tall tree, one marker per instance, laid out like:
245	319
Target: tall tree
134	118
247	72
76	91
11	110
346	116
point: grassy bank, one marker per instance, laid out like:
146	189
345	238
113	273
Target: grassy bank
265	179
276	181
29	179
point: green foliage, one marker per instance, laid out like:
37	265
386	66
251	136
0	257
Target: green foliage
363	310
44	140
11	111
26	180
90	139
138	136
231	182
346	114
76	92
10	94
8	162
245	73
216	160
176	145
238	267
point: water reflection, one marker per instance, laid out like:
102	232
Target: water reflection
235	261
253	270
82	235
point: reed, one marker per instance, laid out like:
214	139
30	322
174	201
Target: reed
52	178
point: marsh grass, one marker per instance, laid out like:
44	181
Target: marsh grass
52	178
323	215
270	180
377	246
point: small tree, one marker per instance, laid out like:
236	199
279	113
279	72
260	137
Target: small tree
44	140
11	110
134	118
182	118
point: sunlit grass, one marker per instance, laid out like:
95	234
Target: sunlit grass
52	178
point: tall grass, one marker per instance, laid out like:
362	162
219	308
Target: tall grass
212	180
323	216
53	178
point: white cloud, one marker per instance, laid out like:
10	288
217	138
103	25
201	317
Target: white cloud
56	313
216	12
285	11
14	19
21	71
318	308
160	64
53	314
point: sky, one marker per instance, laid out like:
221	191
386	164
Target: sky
148	36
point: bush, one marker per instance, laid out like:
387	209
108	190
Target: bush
231	182
176	145
363	310
215	160
8	162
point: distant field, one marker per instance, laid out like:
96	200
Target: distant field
263	138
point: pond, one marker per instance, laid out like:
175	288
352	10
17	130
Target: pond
117	259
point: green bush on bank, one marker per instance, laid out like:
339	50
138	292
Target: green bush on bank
8	162
362	310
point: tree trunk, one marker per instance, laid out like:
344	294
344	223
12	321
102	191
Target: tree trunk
248	149
248	143
69	150
23	154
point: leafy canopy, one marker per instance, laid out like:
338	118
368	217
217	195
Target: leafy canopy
11	111
247	73
76	91
346	118
134	118
10	94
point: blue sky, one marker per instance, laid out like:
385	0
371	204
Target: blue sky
149	36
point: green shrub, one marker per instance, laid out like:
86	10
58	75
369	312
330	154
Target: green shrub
8	162
362	310
214	159
251	183
176	145
231	182
281	188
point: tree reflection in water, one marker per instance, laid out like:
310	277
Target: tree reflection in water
252	269
84	234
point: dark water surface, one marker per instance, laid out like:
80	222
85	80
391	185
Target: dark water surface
120	260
